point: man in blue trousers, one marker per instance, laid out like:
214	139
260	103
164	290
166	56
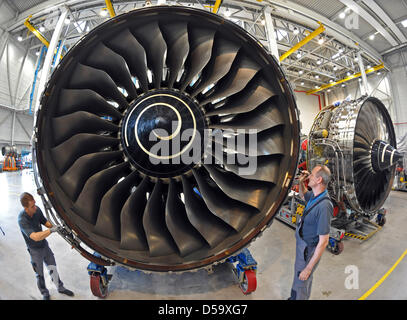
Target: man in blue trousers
30	220
312	232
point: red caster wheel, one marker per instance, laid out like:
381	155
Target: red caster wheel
338	248
249	283
98	288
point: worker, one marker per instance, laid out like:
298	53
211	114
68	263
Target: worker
30	220
312	232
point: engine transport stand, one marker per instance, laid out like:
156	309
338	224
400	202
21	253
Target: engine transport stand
99	279
245	269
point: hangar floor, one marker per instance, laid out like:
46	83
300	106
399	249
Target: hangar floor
274	252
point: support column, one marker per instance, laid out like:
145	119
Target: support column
364	87
48	59
271	34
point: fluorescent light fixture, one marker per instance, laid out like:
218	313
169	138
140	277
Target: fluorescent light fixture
404	23
42	29
296	31
20	38
342	15
371	37
321	40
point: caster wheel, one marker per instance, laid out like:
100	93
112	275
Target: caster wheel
97	287
381	222
338	248
249	283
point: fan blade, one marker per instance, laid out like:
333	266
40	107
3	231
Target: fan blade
201	42
133	52
224	53
241	72
78	145
160	241
79	122
75	177
263	168
88	202
234	213
84	77
176	37
264	117
268	142
114	65
185	235
360	152
212	229
248	99
72	100
253	193
108	218
152	40
133	236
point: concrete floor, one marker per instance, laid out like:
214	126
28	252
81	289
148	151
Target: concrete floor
274	252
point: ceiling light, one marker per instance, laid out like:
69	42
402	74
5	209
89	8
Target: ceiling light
67	21
360	79
300	72
316	87
368	66
335	68
319	61
317	77
103	13
348	73
227	13
371	37
342	15
20	38
298	55
404	23
302	83
296	31
379	73
356	59
329	90
37	53
42	29
340	50
330	81
321	40
343	85
263	22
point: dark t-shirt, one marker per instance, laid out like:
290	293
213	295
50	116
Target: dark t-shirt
29	225
318	221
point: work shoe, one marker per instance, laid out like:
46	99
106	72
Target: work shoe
67	292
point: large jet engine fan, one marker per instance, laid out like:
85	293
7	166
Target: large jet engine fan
356	140
142	71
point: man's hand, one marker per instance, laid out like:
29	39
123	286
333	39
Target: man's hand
55	229
304	176
304	275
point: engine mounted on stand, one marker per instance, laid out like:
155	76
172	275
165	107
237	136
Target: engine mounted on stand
356	141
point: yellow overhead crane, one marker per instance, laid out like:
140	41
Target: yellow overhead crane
353	76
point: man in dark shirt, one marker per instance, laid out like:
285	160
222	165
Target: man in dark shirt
30	220
312	233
